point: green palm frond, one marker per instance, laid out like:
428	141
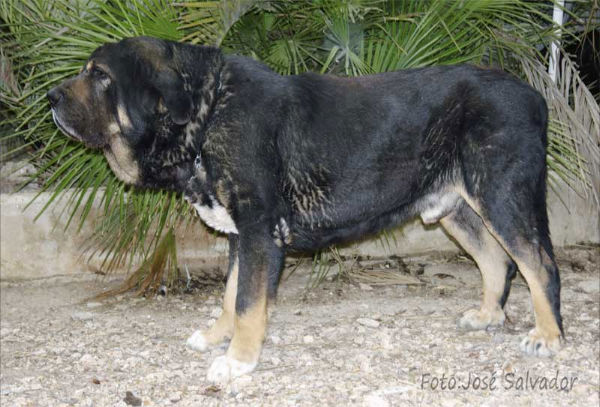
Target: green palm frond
423	33
574	142
50	41
209	22
46	41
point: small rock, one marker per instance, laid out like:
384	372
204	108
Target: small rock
308	339
212	391
175	397
87	360
563	354
365	287
132	400
365	365
215	312
385	340
359	340
94	304
275	339
82	316
242	381
589	286
306	357
368	322
338	362
443	289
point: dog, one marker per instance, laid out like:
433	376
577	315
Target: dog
300	162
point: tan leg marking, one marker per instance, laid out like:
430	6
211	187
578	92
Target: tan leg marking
545	338
249	332
222	329
492	261
244	349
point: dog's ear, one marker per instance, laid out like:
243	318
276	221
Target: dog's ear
178	101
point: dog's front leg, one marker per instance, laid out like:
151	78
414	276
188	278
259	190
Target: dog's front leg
259	258
223	327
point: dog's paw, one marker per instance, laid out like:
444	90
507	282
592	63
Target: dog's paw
197	342
537	345
225	368
475	319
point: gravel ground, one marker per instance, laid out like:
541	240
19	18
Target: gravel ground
338	344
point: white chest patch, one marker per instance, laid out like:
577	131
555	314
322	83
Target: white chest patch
216	217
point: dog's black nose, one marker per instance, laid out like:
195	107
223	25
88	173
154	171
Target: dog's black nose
54	96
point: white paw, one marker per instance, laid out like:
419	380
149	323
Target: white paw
475	319
197	342
536	345
225	368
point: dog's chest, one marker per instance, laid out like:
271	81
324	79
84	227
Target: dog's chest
216	216
210	210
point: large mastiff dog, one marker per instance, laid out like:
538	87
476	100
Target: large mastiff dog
297	163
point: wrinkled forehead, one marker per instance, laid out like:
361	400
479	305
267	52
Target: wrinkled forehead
103	57
103	51
150	50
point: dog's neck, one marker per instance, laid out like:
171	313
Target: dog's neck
169	163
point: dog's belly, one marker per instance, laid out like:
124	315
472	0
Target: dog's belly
431	208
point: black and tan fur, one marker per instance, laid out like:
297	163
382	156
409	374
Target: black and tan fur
296	163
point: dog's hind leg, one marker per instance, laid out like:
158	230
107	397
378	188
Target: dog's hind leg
497	268
222	329
515	214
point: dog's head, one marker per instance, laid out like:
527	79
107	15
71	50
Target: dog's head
118	95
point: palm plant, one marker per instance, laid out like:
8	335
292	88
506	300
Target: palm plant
45	41
49	41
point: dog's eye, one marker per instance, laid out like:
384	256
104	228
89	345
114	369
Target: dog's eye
98	73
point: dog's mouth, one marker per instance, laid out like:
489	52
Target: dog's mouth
68	131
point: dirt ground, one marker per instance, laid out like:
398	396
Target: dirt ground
339	344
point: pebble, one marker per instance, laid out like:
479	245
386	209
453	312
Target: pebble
371	323
242	381
87	360
362	349
82	316
131	400
443	289
175	397
93	304
215	312
589	286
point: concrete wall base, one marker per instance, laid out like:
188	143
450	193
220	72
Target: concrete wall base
37	249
